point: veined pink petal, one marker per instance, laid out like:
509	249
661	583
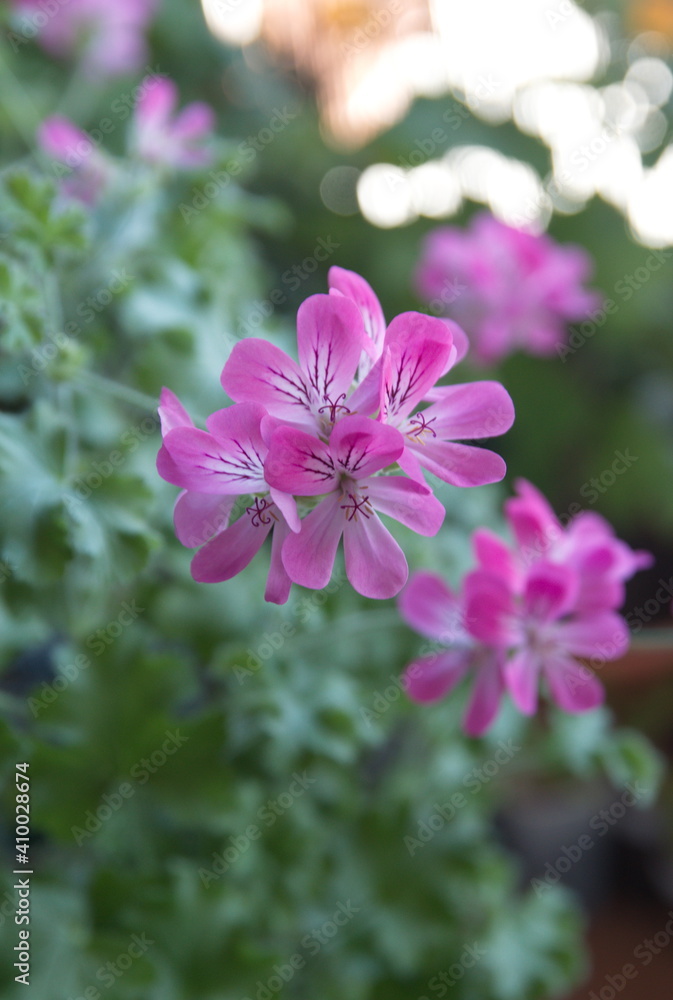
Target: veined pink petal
169	470
522	671
550	592
490	613
494	555
431	677
409	463
361	446
406	501
330	339
299	463
458	464
420	349
172	413
199	516
366	398
309	556
573	687
487	694
375	564
278	583
230	552
601	636
429	606
259	372
210	464
354	287
469	411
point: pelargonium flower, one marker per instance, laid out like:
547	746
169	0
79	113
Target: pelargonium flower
342	472
88	170
227	461
161	136
109	37
509	289
321	390
527	614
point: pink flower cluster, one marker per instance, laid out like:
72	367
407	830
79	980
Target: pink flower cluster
322	446
525	614
509	289
108	37
160	136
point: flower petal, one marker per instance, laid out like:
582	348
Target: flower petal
550	592
532	520
230	551
231	462
330	339
408	502
494	555
490	613
199	516
361	446
420	350
375	564
309	556
172	413
156	99
601	636
278	583
429	606
573	687
359	291
487	694
299	463
431	677
521	676
259	372
459	464
287	505
469	411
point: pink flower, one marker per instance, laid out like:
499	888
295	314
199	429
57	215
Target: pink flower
509	289
89	171
587	544
528	613
109	37
432	609
224	462
543	635
343	473
316	393
163	137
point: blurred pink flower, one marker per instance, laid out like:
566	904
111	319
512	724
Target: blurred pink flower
86	171
107	35
509	289
162	136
